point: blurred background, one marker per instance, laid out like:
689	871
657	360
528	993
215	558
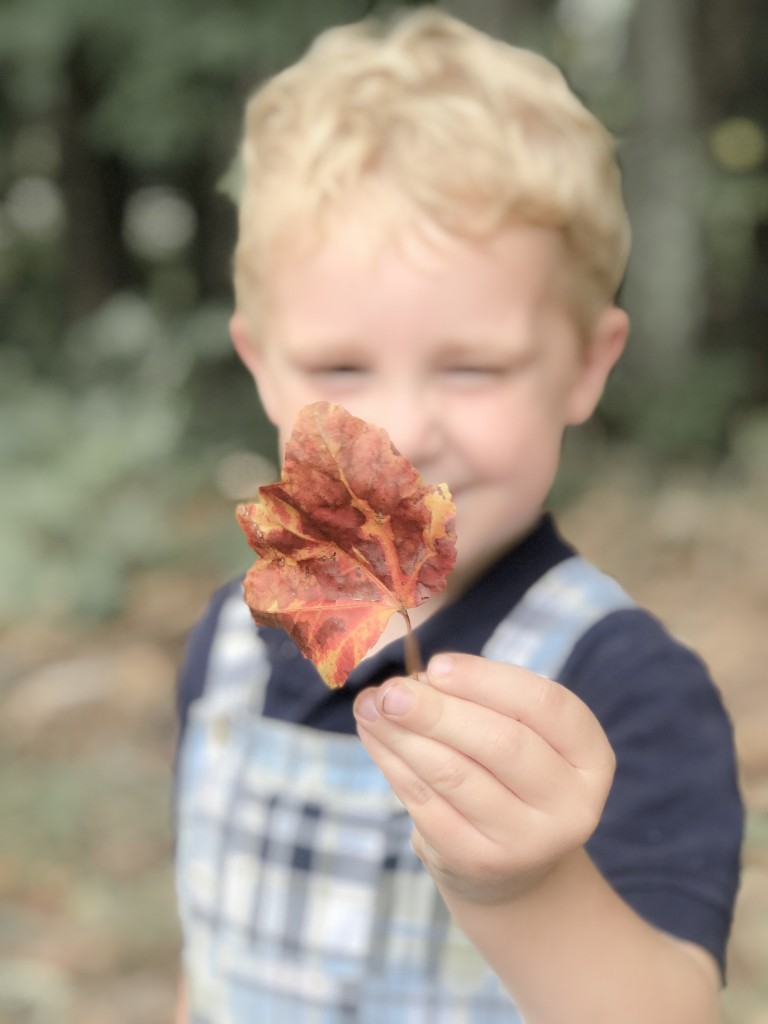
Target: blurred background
128	431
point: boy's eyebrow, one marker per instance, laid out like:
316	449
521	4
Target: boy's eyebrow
349	350
317	351
494	343
491	344
308	344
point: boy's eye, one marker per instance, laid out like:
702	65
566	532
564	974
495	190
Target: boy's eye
473	373
340	368
332	370
469	370
340	376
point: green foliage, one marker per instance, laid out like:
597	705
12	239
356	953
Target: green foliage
101	462
688	416
162	76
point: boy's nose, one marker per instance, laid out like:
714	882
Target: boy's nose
414	426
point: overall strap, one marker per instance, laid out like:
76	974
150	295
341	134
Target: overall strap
543	628
238	665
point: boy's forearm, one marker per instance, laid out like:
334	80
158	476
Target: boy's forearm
572	949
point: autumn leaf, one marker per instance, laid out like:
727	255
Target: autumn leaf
349	536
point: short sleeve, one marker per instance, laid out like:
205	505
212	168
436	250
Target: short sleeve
670	837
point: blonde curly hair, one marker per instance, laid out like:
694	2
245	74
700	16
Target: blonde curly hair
474	134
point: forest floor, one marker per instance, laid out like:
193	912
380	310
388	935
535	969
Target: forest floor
88	931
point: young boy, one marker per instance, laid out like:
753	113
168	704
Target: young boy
546	826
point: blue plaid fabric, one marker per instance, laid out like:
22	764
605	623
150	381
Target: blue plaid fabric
302	900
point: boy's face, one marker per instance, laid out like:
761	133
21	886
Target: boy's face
466	354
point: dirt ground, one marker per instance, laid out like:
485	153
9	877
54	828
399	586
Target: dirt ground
88	930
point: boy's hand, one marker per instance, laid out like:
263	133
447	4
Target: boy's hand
503	772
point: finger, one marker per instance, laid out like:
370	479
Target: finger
444	792
551	710
481	865
448	843
404	713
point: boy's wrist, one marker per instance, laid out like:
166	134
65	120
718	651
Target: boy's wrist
523	893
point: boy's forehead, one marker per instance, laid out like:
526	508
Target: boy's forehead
362	239
448	295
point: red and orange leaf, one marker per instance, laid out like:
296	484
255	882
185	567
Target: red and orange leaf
349	536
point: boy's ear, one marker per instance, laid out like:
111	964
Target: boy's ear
251	357
241	339
604	349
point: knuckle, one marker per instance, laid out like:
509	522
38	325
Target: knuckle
602	774
550	698
501	744
449	775
417	793
585	818
589	821
610	764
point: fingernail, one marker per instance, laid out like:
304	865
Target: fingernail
440	665
366	707
397	700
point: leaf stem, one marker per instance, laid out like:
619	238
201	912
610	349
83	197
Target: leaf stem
413	663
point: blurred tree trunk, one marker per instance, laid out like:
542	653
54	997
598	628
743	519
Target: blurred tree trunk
665	286
731	48
725	33
93	188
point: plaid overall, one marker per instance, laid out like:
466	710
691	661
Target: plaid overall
302	901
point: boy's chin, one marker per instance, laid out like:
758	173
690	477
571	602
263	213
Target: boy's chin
483	549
